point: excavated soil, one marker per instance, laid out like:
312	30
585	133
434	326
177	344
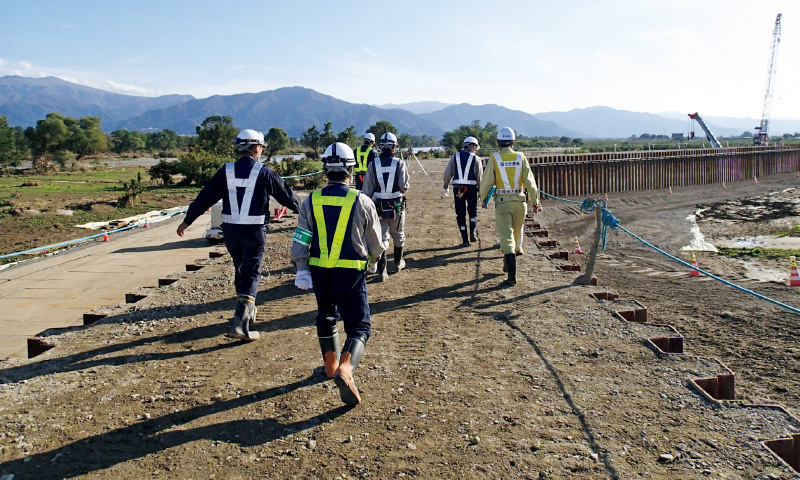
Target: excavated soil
462	378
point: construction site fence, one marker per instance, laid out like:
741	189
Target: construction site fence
585	174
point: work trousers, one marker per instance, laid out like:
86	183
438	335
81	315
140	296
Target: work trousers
341	292
245	244
395	229
466	204
509	216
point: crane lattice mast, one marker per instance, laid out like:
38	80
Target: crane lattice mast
763	127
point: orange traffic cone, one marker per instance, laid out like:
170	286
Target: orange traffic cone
105	235
755	179
694	273
147	224
794	279
578	247
670	189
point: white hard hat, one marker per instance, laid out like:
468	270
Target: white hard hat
506	134
369	137
472	140
337	157
248	138
388	140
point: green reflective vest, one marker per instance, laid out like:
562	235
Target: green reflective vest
361	159
331	259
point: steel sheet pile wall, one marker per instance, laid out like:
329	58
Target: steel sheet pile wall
575	175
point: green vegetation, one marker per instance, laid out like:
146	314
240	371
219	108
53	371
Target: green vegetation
758	252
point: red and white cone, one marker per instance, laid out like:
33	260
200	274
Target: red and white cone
578	247
723	184
755	179
105	235
605	198
694	273
147	224
794	279
670	189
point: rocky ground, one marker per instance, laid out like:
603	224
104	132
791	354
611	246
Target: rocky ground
462	378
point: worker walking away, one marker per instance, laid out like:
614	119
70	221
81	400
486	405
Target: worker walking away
465	170
244	187
365	154
338	236
386	182
508	171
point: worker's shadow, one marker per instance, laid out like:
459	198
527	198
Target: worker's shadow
149	437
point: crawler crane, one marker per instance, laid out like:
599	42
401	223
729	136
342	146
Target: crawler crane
761	138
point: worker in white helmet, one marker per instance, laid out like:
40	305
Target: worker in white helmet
508	171
244	187
465	170
338	236
365	154
386	182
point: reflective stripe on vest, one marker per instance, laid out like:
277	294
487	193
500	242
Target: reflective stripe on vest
361	159
463	174
331	259
240	214
386	192
501	168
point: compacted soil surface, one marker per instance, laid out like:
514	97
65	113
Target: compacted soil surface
463	377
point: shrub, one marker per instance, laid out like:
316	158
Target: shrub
290	167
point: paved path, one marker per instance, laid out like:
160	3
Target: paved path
56	291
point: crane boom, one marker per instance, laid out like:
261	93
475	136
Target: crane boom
712	139
763	127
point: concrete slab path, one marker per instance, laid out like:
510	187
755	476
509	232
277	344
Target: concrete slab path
56	291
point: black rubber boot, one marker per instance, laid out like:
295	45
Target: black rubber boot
399	263
330	353
511	267
473	225
244	314
464	239
351	356
382	275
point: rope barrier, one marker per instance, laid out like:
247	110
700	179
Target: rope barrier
610	221
303	175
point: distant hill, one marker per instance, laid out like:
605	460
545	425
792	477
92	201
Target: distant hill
417	107
452	117
292	108
24	100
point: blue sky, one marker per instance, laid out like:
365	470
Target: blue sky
708	56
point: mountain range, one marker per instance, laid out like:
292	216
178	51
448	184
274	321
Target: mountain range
24	101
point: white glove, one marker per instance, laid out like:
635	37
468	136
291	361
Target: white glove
372	267
303	280
446	192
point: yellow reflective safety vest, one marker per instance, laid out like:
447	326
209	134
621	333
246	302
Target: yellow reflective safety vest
361	159
508	173
326	258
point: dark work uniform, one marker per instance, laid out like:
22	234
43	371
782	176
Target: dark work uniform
365	154
244	226
465	190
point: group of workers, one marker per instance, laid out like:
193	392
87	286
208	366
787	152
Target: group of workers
343	232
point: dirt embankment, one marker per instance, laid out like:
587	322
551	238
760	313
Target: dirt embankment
461	378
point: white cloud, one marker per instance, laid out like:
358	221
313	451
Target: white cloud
26	65
2	62
130	89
